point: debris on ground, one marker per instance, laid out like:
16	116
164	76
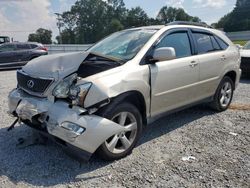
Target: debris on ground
196	147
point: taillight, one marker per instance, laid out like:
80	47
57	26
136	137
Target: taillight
43	48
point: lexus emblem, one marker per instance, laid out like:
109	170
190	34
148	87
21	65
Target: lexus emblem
30	83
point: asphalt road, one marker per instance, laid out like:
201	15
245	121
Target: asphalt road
193	148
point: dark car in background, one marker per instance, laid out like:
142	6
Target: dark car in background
245	59
15	55
4	39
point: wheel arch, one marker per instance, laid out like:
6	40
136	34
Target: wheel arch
232	75
134	97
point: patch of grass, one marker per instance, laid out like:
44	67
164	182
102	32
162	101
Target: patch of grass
240	42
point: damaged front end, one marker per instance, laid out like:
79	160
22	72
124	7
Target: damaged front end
55	105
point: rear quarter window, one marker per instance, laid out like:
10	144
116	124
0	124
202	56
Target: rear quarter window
222	43
215	43
32	46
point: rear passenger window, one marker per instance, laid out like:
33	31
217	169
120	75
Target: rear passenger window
222	44
178	41
204	43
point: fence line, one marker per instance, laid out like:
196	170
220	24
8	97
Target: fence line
63	48
240	35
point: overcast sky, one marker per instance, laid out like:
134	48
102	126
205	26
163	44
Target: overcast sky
18	18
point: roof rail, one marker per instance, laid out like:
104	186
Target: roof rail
201	24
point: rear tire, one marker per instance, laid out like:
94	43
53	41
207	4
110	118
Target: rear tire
121	144
223	96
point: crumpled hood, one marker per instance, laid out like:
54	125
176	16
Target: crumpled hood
57	65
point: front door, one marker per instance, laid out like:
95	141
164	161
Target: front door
7	54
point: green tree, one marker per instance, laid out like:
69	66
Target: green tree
116	9
136	17
90	20
68	37
68	33
170	14
115	25
42	36
238	19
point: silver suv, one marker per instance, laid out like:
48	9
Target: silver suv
98	101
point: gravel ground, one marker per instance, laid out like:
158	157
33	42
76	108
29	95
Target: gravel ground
192	148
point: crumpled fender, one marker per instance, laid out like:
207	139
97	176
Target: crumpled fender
112	83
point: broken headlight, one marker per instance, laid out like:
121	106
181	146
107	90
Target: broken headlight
73	127
78	93
63	88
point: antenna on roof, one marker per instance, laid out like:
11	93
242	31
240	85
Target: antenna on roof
201	24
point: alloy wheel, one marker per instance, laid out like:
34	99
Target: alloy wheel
122	141
226	94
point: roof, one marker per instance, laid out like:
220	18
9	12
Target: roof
199	24
23	43
156	27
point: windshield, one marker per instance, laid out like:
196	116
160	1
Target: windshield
123	45
247	46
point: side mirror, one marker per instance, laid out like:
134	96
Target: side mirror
164	54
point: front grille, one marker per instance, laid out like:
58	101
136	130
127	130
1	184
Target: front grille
31	84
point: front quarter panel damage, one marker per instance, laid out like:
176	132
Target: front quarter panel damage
112	83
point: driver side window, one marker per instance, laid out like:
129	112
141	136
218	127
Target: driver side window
7	47
179	41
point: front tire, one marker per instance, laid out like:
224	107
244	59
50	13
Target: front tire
121	144
224	94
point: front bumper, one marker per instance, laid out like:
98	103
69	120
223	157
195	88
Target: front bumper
52	115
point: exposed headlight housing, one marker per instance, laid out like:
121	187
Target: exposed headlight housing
72	127
63	88
78	93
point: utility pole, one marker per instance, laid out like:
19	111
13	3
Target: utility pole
59	25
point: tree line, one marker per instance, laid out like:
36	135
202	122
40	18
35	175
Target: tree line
236	20
90	20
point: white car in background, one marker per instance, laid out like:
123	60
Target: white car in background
245	59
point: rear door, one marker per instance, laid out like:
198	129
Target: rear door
174	82
212	59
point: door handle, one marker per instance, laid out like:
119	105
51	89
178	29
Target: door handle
193	64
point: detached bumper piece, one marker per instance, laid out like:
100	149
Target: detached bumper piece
68	125
12	125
